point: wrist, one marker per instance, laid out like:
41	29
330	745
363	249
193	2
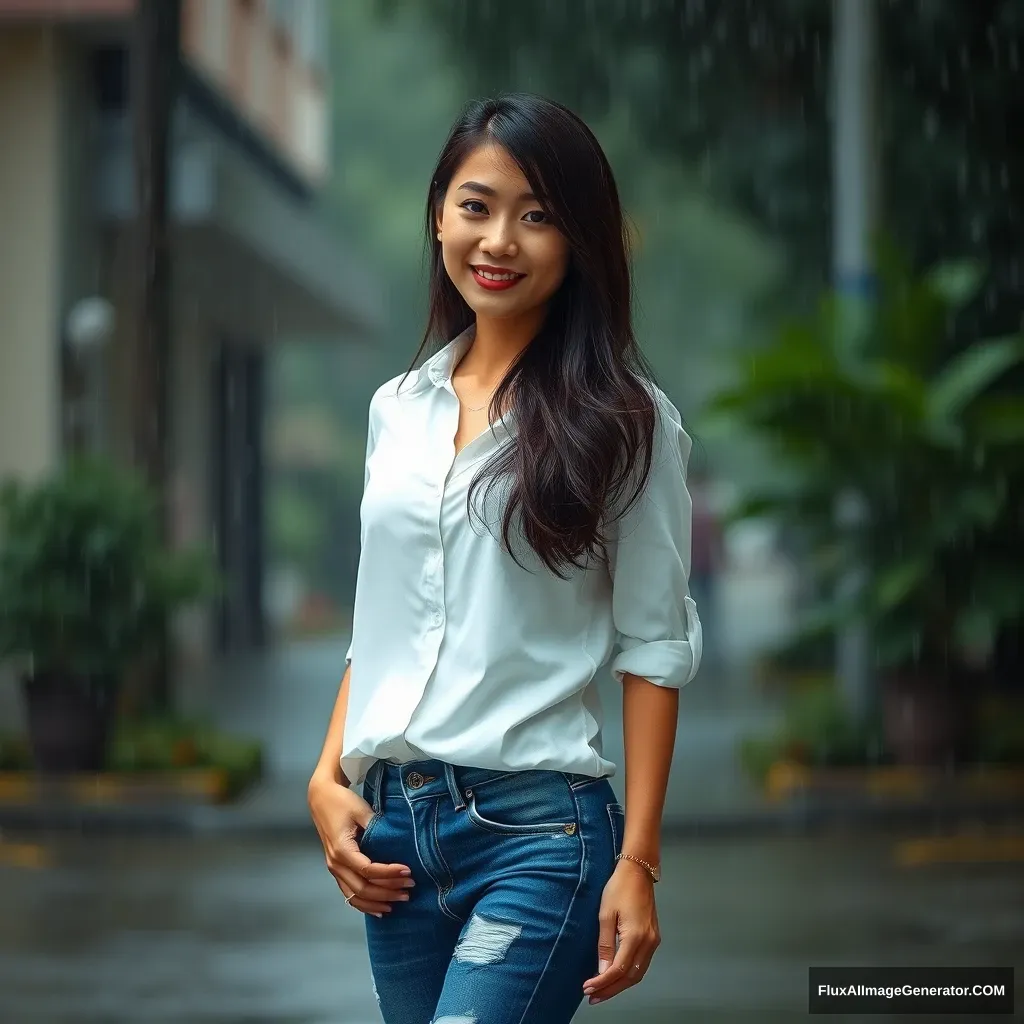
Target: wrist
326	775
650	868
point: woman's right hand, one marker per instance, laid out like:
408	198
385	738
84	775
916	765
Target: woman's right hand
340	815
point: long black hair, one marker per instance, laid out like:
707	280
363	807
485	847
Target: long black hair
581	392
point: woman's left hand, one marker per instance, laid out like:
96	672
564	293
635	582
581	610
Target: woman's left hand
628	913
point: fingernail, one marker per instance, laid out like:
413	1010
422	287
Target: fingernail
403	896
588	990
409	884
378	915
602	967
405	871
594	1000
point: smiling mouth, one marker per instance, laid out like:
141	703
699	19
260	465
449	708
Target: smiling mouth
496	279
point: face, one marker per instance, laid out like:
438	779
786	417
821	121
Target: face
500	250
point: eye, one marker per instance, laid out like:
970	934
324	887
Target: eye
473	203
539	215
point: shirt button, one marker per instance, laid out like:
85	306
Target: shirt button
438	617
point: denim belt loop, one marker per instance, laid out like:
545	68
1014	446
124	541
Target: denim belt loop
453	787
376	777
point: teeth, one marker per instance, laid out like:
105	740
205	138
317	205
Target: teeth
497	277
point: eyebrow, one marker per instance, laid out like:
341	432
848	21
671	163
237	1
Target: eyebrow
486	190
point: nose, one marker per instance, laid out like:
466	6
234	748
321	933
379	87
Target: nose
499	239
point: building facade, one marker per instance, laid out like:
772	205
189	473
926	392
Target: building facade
253	265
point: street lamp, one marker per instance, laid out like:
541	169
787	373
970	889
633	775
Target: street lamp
88	329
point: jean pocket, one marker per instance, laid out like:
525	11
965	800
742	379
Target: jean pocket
522	806
617	818
370	826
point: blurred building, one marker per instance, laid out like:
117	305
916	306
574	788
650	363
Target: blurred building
253	265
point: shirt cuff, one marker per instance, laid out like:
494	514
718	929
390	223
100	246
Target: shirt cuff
670	663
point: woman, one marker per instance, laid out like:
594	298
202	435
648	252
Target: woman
524	510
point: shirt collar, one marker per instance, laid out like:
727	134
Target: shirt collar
438	369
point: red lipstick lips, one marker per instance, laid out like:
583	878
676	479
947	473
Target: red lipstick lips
499	282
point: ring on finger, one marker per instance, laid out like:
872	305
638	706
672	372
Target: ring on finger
348	899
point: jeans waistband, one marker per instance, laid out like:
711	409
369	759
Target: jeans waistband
427	778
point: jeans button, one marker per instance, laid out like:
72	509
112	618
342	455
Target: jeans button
414	779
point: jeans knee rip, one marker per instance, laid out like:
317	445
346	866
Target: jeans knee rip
486	941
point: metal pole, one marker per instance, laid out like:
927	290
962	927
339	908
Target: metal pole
154	57
854	209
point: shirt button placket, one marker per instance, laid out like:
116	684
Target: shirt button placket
436	559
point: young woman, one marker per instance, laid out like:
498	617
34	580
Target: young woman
525	512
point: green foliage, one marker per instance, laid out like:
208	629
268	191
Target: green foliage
86	582
741	91
875	405
817	730
163	744
174	744
297	525
1001	732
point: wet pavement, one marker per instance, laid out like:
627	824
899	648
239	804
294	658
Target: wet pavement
218	931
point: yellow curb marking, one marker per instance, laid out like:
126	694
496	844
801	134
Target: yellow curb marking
210	784
786	779
24	855
965	849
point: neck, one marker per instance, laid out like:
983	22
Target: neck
496	345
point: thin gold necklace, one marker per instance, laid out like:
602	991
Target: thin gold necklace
476	408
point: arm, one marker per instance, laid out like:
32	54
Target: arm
649	715
328	768
661	644
659	631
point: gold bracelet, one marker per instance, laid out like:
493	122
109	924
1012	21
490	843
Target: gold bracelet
653	870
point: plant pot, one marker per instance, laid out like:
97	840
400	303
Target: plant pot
69	720
924	719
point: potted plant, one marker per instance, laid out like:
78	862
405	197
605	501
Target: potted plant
86	588
916	429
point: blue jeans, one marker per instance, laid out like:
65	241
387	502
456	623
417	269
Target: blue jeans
510	867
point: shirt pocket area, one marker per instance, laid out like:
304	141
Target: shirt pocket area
523	804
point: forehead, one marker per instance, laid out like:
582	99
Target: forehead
491	164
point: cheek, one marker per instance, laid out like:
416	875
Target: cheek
555	262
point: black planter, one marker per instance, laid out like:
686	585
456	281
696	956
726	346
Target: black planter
69	721
926	720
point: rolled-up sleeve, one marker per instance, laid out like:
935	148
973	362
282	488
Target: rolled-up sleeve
659	631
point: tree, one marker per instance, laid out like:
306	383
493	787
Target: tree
740	91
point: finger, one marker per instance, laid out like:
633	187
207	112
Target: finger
624	975
605	946
367	906
623	964
379	872
347	852
366	889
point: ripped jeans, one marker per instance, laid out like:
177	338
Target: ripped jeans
510	867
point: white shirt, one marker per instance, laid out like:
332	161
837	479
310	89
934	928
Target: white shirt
460	654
